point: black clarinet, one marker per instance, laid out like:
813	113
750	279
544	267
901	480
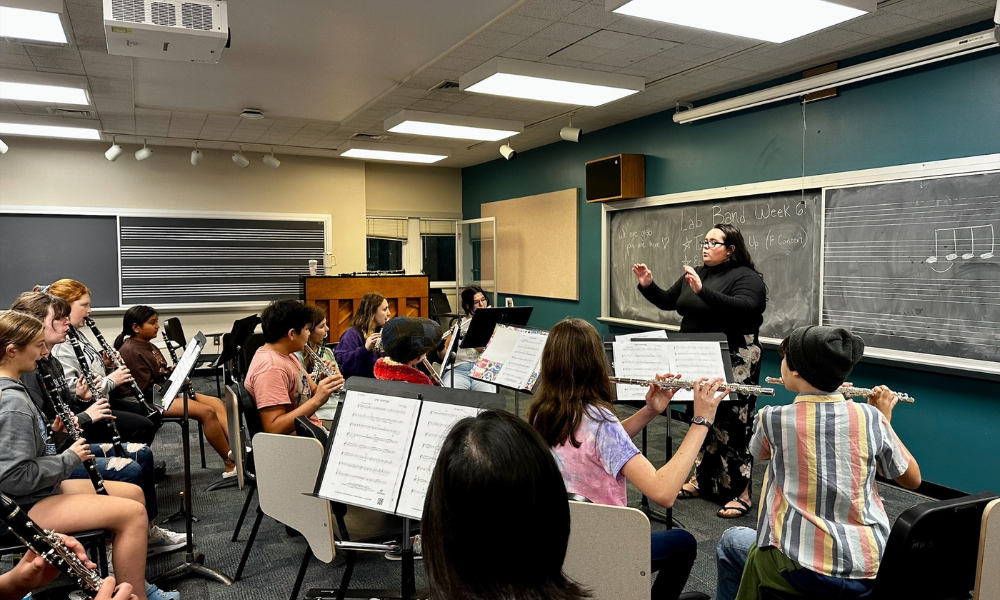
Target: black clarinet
53	390
116	359
88	376
173	357
49	546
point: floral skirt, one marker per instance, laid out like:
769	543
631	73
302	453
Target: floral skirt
724	463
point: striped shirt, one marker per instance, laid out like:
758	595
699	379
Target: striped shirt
819	504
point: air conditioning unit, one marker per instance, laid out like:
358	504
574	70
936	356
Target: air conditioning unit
187	30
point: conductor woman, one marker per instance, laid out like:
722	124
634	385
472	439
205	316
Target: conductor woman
725	295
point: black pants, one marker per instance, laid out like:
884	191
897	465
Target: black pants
132	424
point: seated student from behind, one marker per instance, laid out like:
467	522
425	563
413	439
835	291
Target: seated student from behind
405	340
822	527
276	379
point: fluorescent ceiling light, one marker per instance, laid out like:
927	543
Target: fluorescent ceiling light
549	83
33	20
452	126
30	92
875	68
393	152
769	20
52	131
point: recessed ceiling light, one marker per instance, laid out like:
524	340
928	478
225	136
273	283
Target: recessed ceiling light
49	88
452	126
52	131
549	83
33	21
769	20
393	152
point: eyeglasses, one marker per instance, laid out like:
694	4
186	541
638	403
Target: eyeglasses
712	244
482	301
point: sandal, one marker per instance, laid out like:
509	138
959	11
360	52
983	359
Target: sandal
685	493
741	510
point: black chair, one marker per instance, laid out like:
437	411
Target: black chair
246	356
931	552
94	541
253	426
440	308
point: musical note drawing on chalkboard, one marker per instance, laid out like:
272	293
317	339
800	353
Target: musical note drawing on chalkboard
968	236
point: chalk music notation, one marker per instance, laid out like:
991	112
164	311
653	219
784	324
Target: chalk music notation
970	242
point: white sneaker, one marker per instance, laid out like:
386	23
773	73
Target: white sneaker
163	540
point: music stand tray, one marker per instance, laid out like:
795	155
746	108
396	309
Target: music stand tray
485	320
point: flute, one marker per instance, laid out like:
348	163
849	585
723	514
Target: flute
319	364
88	376
688	384
49	546
116	359
53	389
851	391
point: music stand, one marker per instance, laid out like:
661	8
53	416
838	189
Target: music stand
193	562
241	332
485	320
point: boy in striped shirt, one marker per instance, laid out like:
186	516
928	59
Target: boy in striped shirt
822	528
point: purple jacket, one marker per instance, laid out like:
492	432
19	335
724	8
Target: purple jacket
353	357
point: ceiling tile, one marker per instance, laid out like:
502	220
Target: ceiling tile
610	40
538	46
592	16
497	41
880	24
566	32
648	46
580	52
14	61
473	52
677	33
640	27
552	10
834	38
619	58
11	47
521	24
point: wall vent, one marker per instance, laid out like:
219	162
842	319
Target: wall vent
446	85
368	137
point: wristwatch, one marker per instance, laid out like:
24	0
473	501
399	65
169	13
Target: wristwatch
701	421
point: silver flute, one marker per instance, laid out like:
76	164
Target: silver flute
852	392
320	364
688	384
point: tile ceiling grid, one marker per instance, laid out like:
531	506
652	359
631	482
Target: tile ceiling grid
678	63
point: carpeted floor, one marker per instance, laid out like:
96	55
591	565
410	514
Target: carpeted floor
276	556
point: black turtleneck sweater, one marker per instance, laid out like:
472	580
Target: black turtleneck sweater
732	301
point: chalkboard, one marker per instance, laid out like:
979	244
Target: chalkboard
781	230
37	249
915	265
197	260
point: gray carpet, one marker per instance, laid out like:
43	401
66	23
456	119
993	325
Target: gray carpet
276	556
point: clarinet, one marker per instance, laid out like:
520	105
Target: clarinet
173	357
49	546
52	389
116	359
88	376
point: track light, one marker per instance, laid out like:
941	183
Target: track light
196	155
3	147
114	151
570	133
271	161
142	153
241	160
507	152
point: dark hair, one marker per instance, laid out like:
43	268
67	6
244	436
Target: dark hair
573	377
135	315
318	316
38	304
741	254
282	316
495	464
364	314
469	298
783	353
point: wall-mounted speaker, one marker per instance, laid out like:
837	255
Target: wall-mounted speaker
618	177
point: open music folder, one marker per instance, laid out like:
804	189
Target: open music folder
512	358
643	358
384	449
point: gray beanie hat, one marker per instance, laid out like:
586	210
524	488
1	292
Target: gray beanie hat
406	338
824	356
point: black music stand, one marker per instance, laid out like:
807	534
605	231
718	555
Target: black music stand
194	562
485	320
667	516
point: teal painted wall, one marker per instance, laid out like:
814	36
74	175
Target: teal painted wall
943	111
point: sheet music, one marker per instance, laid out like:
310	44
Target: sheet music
656	334
639	360
452	345
695	360
369	452
183	367
500	346
436	421
521	369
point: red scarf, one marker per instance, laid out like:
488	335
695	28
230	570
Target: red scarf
397	372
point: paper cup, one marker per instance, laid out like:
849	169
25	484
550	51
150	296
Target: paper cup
313	264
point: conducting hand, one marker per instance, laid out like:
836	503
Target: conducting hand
707	397
99	410
82	389
657	398
120	376
642	274
884	400
370	341
82	449
693	279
